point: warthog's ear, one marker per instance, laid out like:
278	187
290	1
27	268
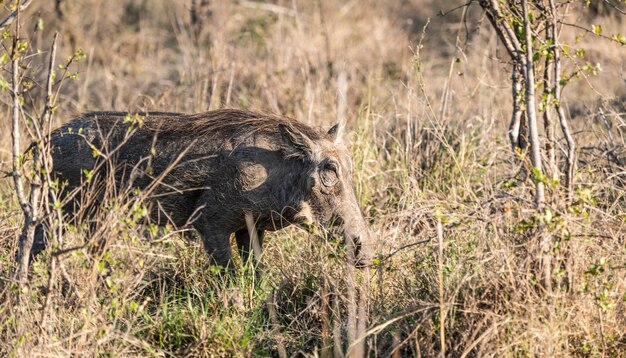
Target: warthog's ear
336	133
295	141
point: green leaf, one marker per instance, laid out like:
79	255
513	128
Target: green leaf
597	29
548	215
79	54
580	53
619	38
538	176
21	46
4	85
536	56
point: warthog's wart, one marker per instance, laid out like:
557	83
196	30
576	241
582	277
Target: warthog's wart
213	169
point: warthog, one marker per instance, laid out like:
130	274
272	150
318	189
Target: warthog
211	170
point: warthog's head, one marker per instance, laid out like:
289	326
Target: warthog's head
329	200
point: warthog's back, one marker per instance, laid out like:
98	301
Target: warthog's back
162	135
186	154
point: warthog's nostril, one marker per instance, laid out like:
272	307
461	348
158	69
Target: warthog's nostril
357	247
361	256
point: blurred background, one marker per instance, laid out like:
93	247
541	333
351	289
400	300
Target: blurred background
285	57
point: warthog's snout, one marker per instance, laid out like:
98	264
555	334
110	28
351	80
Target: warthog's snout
363	250
361	238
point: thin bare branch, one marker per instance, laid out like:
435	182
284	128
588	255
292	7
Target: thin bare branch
516	116
502	28
547	112
15	123
14	15
442	310
563	23
623	12
277	9
30	206
45	123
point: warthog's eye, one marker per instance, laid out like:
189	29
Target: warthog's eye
329	174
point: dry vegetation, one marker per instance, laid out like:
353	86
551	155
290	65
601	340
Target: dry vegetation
428	103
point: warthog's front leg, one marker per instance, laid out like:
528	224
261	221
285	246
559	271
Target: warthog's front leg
217	245
244	244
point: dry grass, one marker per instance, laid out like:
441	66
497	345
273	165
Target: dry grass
153	293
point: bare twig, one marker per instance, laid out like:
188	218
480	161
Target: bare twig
326	349
337	344
442	311
354	350
464	6
547	113
21	6
615	7
503	28
342	89
512	44
576	26
516	116
401	248
277	9
271	307
363	309
46	116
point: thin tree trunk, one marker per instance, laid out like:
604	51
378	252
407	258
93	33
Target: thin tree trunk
507	34
354	348
29	206
326	350
363	310
531	113
45	125
571	144
442	310
337	341
547	117
516	116
503	28
15	126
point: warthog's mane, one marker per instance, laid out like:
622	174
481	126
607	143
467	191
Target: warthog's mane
222	123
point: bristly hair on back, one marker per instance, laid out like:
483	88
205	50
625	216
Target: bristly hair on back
231	123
